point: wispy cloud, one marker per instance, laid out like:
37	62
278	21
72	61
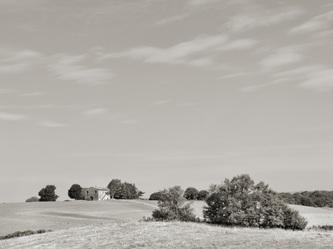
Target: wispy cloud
281	57
18	61
201	2
95	111
313	77
6	90
5	116
72	68
52	124
319	22
32	94
241	23
181	53
171	19
162	102
321	80
239	44
255	87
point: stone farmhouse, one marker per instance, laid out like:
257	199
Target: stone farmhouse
95	194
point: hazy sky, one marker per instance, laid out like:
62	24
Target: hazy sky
162	92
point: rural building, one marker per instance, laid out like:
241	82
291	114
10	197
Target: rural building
95	194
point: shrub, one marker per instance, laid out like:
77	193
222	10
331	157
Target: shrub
23	233
323	228
293	220
48	193
156	196
241	202
75	192
32	199
191	193
202	195
172	206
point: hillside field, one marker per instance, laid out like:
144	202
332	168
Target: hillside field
115	224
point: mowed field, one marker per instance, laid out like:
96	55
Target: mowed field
115	224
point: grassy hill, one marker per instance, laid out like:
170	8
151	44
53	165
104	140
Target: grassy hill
170	236
115	224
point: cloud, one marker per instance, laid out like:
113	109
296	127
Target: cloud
129	121
321	80
32	94
253	88
281	57
6	91
5	116
52	124
95	111
201	2
162	102
71	68
239	44
319	22
177	54
240	23
171	19
18	61
313	77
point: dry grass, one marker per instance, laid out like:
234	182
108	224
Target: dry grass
171	235
114	224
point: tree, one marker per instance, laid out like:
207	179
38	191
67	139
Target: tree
202	195
241	202
32	199
48	193
115	187
75	192
172	206
119	190
191	193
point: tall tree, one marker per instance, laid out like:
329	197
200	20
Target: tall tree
75	192
115	187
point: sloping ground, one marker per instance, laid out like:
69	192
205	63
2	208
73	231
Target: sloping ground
171	236
60	215
316	216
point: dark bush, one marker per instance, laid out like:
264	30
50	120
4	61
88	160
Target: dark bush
75	192
22	233
32	199
323	228
191	193
48	193
156	196
202	195
241	202
172	206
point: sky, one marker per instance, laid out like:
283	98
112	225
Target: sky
165	92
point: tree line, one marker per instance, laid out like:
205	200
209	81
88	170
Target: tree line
117	190
309	198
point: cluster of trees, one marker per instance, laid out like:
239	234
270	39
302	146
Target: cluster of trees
236	202
190	193
120	190
309	198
